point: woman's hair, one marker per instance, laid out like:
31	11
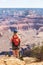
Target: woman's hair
15	31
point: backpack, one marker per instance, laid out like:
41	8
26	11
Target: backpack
16	40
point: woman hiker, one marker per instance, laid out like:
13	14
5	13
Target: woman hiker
15	40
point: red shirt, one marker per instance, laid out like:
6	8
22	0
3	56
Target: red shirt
15	39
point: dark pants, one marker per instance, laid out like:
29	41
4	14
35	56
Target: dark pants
15	47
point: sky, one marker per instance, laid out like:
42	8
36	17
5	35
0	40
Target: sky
21	3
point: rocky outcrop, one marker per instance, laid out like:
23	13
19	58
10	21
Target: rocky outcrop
11	61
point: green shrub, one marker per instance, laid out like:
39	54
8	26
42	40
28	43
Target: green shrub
37	52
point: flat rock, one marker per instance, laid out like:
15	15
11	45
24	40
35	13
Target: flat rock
11	61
